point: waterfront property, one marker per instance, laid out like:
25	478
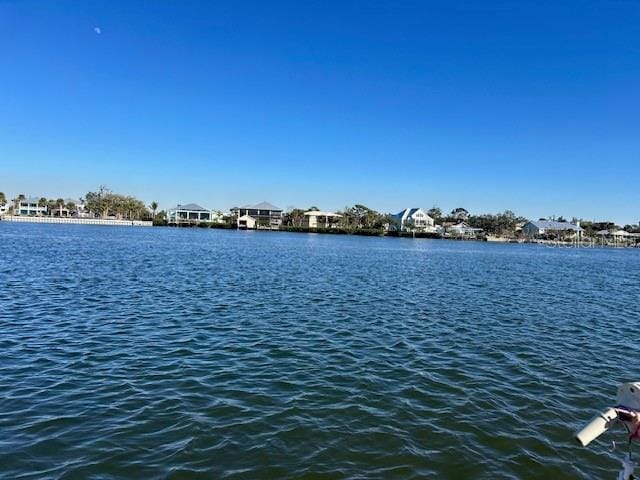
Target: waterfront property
618	237
462	230
69	208
4	208
246	222
30	207
75	208
414	219
550	227
320	219
259	216
190	214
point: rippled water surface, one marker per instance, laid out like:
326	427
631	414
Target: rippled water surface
189	353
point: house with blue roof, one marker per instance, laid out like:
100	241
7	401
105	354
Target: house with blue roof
414	219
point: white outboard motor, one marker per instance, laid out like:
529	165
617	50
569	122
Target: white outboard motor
626	412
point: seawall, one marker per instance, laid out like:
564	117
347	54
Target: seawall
78	221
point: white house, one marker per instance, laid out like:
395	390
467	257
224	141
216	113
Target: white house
414	219
544	227
79	207
262	215
463	229
189	214
30	207
319	219
246	222
4	208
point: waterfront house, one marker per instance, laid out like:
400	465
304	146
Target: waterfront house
462	230
414	219
260	216
30	207
550	227
190	214
64	210
78	209
4	208
320	219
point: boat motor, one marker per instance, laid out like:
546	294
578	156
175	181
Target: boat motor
627	413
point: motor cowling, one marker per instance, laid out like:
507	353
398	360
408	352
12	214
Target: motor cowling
627	411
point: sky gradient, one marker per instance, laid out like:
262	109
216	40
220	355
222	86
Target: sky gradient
528	106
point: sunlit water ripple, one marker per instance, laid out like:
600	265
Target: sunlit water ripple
189	353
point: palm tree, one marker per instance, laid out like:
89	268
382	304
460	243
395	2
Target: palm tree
60	204
42	201
154	207
70	206
16	202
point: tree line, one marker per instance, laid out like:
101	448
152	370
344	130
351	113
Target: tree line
362	217
102	203
105	203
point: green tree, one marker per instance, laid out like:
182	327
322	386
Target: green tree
3	198
60	205
295	217
459	214
435	213
504	223
361	216
154	207
16	203
42	201
71	207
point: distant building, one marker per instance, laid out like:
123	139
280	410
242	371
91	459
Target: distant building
4	208
64	211
414	219
190	214
78	209
30	207
616	233
81	208
260	216
319	219
462	229
545	227
246	222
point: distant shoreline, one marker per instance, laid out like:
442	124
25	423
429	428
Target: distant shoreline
584	243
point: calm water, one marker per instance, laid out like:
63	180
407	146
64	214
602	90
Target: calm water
166	353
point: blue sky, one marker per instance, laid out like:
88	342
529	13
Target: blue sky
530	106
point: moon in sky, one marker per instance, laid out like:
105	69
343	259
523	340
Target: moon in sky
98	30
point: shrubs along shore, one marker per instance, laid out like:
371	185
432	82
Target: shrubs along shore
367	232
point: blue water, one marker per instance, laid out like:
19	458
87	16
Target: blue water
190	353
